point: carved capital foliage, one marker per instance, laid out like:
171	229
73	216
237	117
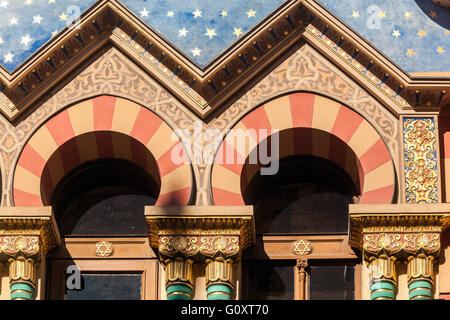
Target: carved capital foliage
14	246
179	271
208	246
383	269
200	237
26	235
219	271
420	268
397	243
22	270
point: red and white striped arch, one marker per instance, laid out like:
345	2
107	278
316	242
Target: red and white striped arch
314	125
102	127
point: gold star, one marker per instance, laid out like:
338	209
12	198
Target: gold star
63	16
396	33
447	32
410	52
355	14
196	52
237	32
407	14
440	50
422	33
210	33
224	13
382	14
104	249
251	13
433	14
302	247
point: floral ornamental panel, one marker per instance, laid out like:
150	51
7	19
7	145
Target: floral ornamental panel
421	172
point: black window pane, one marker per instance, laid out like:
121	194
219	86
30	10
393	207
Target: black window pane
107	287
308	195
270	280
115	215
332	283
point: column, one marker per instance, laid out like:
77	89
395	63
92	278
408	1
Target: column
302	264
212	237
179	279
22	277
383	278
420	277
219	279
27	234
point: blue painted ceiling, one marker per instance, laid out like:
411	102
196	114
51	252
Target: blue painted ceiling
414	34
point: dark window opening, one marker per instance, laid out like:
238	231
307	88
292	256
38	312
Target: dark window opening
269	280
104	197
332	282
308	195
107	287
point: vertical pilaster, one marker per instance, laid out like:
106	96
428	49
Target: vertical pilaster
383	277
179	279
421	160
420	277
219	279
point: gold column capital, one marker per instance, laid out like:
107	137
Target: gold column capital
219	271
420	267
179	271
28	232
401	230
22	270
200	232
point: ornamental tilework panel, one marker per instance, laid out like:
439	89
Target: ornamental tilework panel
421	169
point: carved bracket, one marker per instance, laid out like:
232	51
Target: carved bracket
27	232
195	234
398	230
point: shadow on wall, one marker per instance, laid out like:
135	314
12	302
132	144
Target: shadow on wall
442	17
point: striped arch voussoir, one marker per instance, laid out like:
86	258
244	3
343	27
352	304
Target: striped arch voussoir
310	125
104	126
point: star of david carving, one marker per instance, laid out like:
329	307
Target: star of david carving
104	249
302	247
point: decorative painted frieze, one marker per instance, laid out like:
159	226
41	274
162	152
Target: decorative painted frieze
208	246
420	159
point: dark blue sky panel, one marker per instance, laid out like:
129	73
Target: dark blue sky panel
414	34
